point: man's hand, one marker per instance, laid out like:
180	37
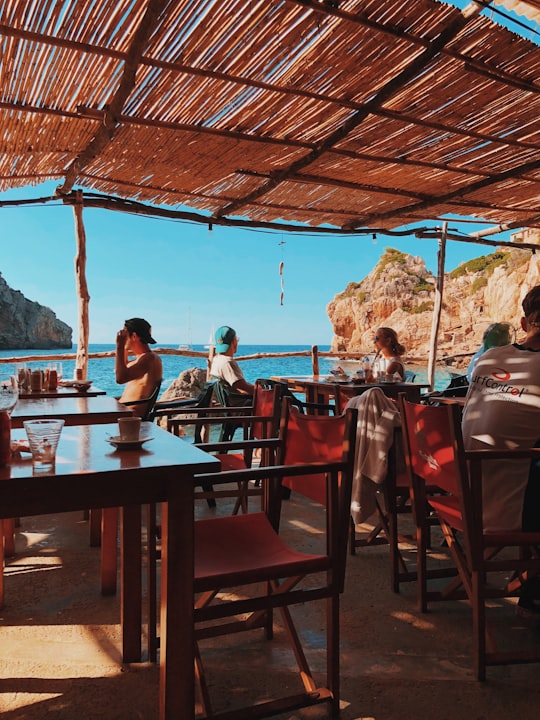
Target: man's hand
121	337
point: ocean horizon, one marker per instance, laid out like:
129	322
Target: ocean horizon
101	370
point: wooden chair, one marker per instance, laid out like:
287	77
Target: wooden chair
435	455
392	505
247	551
261	427
259	422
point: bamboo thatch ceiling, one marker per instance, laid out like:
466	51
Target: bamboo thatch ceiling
352	113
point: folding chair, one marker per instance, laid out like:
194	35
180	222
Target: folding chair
435	455
247	550
259	421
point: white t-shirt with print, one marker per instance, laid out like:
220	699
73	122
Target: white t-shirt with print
502	410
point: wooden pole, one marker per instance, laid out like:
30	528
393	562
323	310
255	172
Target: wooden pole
437	307
315	359
83	297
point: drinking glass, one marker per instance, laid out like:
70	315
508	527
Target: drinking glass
9	393
43	437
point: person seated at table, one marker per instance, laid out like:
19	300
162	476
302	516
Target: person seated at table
388	358
495	335
224	366
502	410
144	371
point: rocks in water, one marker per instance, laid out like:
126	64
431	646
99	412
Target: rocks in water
188	384
27	324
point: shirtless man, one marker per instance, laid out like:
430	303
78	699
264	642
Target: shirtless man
144	372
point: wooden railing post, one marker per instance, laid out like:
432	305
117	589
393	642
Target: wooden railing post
315	359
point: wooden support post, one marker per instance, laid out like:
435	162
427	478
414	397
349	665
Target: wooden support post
437	307
83	298
315	359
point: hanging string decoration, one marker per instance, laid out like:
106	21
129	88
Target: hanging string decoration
281	266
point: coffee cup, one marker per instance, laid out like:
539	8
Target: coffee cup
130	428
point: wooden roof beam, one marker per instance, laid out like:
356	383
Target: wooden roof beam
105	133
513	173
397	82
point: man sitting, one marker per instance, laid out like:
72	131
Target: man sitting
225	368
144	372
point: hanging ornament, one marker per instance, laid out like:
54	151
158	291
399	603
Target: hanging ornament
281	266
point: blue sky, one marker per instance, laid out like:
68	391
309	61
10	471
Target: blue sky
185	279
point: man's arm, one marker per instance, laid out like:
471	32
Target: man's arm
244	387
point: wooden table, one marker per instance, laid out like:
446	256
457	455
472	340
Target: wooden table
61	392
91	473
80	410
319	388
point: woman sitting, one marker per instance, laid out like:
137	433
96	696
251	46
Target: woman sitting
389	351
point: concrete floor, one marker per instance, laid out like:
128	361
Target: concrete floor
60	640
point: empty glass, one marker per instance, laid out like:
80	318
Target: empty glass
43	437
9	393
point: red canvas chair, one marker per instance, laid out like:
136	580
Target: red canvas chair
247	551
436	456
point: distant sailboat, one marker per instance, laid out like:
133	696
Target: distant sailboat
212	339
189	344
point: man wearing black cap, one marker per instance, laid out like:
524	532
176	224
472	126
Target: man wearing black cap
142	373
224	367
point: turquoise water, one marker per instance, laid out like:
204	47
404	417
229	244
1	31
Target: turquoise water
101	371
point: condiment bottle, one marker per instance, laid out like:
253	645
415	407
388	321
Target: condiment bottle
5	438
36	381
53	379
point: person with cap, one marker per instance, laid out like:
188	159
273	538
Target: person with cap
224	366
142	373
502	410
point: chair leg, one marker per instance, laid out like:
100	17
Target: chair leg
151	580
95	527
2	525
479	626
9	537
109	550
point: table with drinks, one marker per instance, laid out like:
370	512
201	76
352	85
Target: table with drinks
321	388
76	466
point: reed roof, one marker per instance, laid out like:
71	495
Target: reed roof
346	113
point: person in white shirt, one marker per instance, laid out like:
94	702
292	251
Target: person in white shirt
224	366
502	410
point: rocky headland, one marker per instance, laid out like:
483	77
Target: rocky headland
27	324
399	292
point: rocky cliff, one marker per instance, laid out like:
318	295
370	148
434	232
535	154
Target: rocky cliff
399	292
27	324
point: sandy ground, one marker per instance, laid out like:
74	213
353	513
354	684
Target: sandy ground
60	644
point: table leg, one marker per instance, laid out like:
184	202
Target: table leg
177	695
131	583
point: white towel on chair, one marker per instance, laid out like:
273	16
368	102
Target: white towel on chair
377	418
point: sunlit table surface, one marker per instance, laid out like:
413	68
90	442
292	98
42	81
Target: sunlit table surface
90	473
80	410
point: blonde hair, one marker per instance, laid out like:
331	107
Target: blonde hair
397	347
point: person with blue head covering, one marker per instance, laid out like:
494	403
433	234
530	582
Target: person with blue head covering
224	366
495	335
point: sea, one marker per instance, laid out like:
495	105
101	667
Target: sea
101	370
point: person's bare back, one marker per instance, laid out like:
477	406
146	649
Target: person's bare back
142	373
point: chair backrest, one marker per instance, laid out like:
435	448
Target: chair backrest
146	404
430	444
266	402
314	438
409	376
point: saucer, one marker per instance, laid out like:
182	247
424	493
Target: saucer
120	444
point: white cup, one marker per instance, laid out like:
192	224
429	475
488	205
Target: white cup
130	428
